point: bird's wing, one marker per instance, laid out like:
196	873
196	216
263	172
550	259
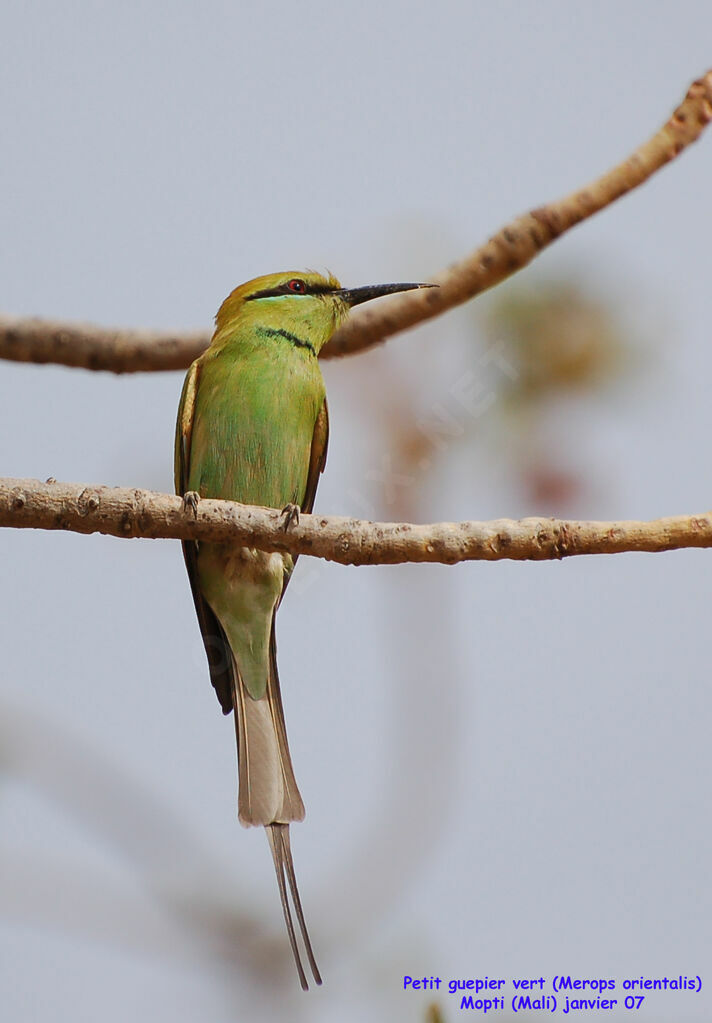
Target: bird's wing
317	457
317	461
217	648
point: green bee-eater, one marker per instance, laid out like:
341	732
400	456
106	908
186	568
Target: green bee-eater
253	427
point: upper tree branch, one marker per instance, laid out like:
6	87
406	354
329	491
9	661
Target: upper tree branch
125	512
125	351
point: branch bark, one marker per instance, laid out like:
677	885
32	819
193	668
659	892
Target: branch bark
85	346
124	512
130	351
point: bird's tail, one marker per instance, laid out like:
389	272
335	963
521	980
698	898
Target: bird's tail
278	837
268	793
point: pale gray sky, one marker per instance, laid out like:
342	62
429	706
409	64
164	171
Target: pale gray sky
506	767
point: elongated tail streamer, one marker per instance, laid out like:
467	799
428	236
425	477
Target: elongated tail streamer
278	836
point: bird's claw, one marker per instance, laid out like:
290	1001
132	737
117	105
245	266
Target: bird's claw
191	500
291	514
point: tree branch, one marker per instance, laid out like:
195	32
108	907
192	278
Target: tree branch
124	512
85	346
127	351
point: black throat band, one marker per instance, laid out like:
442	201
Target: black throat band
298	342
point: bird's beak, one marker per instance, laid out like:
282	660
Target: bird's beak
355	296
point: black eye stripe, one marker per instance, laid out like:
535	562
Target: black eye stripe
284	289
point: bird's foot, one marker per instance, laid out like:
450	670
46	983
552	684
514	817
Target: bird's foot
191	500
291	514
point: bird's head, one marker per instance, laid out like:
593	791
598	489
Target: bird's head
306	304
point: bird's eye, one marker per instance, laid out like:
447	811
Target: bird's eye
297	286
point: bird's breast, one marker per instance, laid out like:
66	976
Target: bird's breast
254	425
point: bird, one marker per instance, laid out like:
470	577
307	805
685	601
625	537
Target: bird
253	427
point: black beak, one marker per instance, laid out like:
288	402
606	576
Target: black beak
355	296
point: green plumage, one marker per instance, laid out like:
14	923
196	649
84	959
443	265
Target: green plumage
281	394
266	396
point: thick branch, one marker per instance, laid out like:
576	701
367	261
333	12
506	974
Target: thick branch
125	351
117	511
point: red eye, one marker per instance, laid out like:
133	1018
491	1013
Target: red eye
297	286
